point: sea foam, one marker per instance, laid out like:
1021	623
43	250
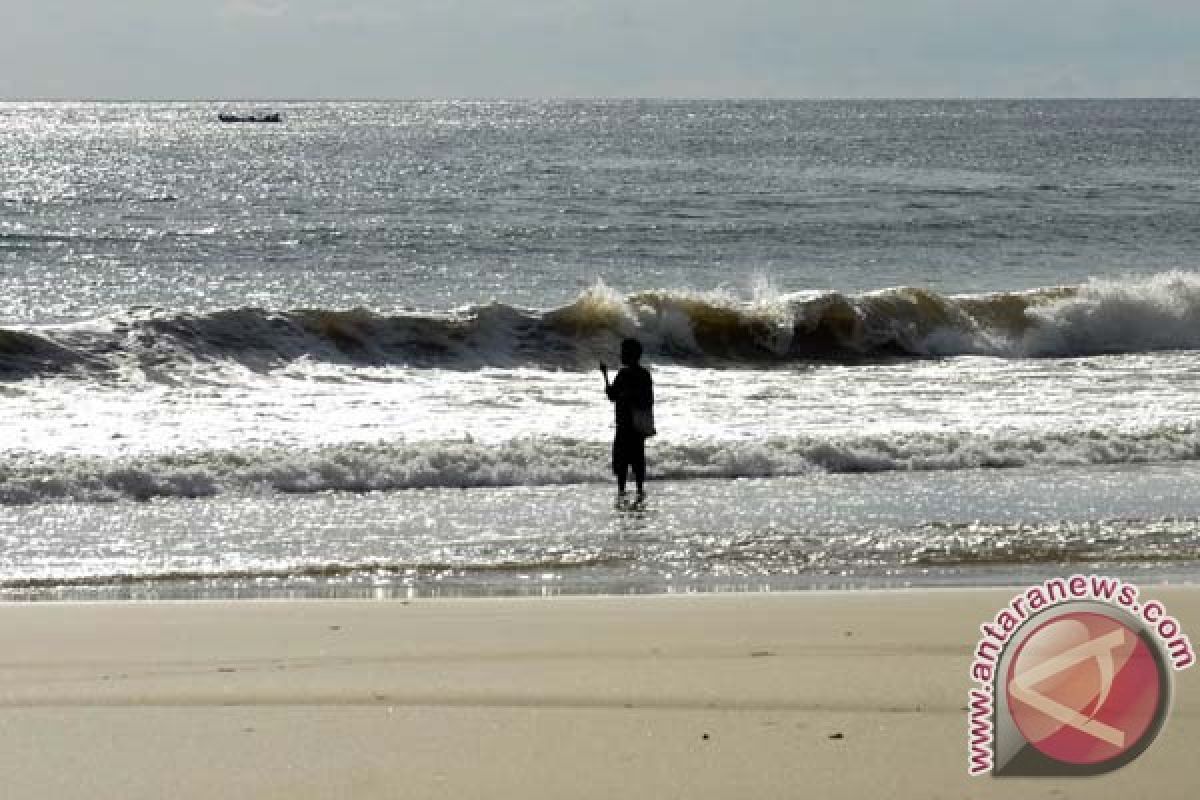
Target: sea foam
543	460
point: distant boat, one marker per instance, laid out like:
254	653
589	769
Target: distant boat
272	117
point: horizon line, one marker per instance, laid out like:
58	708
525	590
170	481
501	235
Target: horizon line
592	98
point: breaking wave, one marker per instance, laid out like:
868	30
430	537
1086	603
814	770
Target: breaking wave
1161	312
540	461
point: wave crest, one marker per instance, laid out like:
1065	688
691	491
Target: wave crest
705	329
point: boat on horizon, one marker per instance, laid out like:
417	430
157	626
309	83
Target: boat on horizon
274	116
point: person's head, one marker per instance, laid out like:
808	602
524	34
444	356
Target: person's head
631	352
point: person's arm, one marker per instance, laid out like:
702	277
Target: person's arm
608	387
619	389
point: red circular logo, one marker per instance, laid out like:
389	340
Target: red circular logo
1084	688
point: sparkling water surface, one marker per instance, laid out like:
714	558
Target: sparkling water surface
433	205
894	343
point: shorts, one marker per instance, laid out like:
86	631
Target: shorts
628	450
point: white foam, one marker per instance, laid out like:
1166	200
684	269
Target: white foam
543	461
1119	316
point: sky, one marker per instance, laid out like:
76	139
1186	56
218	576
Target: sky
219	49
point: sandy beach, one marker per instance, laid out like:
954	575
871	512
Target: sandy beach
854	694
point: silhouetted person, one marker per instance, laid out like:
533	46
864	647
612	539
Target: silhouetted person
632	394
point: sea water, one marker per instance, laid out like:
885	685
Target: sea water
355	352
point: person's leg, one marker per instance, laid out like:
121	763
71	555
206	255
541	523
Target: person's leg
620	463
638	462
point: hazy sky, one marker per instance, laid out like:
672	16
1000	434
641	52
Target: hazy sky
523	48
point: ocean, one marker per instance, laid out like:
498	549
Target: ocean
354	353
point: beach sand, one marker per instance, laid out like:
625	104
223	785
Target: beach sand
823	695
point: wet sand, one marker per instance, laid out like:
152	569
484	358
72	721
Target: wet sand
831	695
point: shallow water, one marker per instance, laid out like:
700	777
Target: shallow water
824	530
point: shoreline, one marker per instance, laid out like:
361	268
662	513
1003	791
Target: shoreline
1171	575
1175	584
826	693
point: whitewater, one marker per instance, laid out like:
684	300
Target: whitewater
255	452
